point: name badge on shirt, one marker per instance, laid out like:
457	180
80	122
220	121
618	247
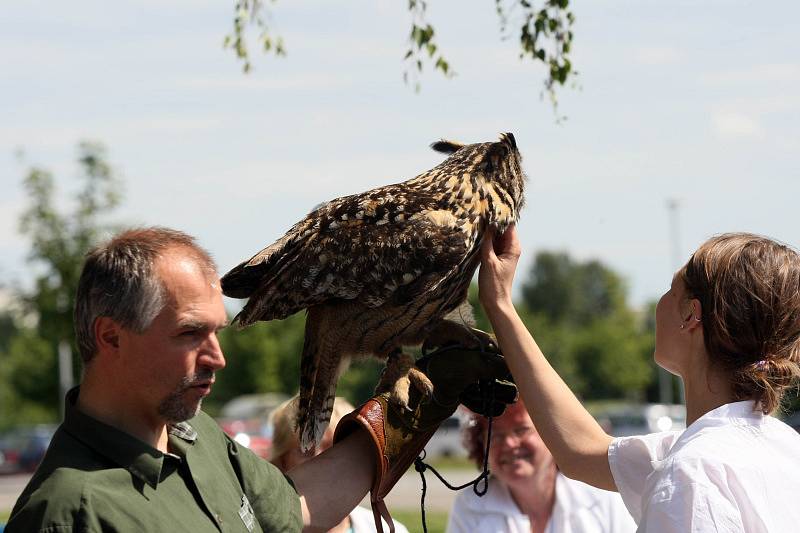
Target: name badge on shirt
246	514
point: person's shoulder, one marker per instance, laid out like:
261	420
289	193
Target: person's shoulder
52	500
653	445
737	442
738	449
780	430
65	470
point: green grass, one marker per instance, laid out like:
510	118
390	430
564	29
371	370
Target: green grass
452	463
4	514
411	518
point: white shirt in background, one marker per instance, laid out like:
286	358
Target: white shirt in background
578	508
732	470
362	521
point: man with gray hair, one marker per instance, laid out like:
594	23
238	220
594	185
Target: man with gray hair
147	315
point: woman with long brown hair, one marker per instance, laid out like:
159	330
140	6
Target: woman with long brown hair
729	327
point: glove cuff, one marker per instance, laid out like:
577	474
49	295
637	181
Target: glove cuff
395	446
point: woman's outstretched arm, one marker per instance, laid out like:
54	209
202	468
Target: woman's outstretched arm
576	440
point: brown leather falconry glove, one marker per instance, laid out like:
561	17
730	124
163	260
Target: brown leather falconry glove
478	379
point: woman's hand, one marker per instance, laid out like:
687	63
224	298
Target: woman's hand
499	257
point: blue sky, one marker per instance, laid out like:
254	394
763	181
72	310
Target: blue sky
694	101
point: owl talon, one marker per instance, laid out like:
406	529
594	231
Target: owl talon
399	376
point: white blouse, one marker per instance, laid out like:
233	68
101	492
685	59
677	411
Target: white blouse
733	470
362	521
578	508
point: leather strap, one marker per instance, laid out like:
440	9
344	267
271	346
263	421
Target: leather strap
393	456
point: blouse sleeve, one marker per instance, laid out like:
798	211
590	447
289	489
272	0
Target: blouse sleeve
686	504
631	460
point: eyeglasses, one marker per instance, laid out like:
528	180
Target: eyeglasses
517	434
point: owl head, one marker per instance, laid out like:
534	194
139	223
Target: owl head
497	162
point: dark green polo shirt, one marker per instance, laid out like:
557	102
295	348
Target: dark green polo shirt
95	477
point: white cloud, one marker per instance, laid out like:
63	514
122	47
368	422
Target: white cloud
41	137
735	125
53	136
656	55
250	83
766	104
765	73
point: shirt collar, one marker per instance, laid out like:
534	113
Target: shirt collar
139	458
744	413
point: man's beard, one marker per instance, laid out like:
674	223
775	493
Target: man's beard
174	408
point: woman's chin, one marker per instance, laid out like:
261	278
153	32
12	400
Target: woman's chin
510	473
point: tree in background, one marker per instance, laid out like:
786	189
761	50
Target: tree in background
262	358
583	323
59	242
265	357
544	33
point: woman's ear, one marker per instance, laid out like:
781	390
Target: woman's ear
696	318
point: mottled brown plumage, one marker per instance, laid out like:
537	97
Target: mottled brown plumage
383	269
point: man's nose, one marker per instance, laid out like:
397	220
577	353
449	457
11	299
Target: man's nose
212	355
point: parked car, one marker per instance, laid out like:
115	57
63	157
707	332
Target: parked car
246	419
22	448
9	455
253	433
640	419
446	441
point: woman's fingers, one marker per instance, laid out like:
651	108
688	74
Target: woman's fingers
499	255
502	246
487	246
507	244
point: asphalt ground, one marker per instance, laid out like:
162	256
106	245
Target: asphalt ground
10	488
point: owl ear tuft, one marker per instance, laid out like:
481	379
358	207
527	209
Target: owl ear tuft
509	139
446	147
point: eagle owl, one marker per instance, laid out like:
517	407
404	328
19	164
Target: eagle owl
383	269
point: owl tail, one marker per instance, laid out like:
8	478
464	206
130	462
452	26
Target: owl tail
308	377
313	420
320	367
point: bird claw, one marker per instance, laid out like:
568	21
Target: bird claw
399	376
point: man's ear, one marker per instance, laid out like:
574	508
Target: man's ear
106	334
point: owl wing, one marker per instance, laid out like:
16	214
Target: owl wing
373	247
